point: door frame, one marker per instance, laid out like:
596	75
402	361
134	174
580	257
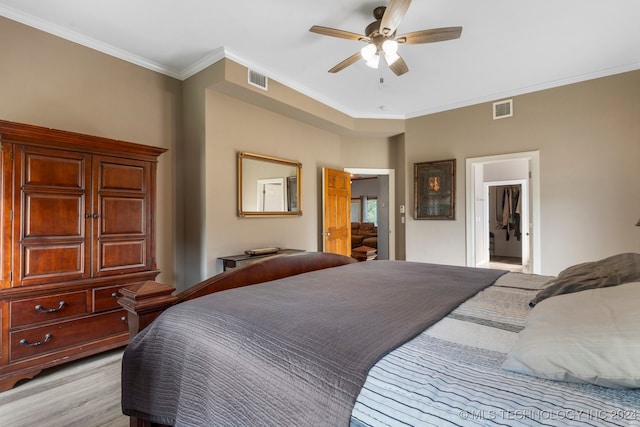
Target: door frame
262	193
533	158
392	201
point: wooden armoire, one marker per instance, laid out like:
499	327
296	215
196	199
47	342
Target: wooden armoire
77	225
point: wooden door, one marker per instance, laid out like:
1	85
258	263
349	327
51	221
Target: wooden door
121	211
336	220
51	239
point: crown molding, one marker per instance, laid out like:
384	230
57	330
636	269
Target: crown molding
83	40
528	89
222	52
210	59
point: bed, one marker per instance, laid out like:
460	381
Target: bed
322	340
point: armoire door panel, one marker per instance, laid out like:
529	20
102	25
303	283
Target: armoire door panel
122	177
121	237
122	255
53	215
122	216
42	261
51	169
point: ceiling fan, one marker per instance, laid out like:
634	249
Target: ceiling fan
381	38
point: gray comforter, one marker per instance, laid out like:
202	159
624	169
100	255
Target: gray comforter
295	351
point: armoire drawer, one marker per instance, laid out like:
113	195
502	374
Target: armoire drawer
105	299
48	338
46	308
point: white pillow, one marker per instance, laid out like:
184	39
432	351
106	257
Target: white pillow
590	336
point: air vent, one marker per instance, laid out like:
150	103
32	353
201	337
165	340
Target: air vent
502	109
258	80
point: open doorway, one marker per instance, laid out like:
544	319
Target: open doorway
506	169
372	201
507	215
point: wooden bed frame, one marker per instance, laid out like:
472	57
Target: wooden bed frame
144	302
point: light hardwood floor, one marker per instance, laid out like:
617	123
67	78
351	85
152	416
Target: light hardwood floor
84	393
506	263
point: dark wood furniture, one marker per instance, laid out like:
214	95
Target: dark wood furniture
145	301
77	225
232	261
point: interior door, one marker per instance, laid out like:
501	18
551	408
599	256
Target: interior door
336	205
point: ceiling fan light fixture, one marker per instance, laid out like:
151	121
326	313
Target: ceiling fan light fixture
390	47
374	61
391	58
381	38
369	51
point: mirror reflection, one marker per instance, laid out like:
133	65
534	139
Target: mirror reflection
268	186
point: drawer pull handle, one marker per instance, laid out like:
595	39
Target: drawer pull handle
124	318
47	337
50	310
115	295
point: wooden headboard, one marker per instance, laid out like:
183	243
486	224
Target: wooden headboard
146	300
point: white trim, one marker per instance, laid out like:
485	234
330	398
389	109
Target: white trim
217	55
534	194
223	52
89	42
524	90
392	201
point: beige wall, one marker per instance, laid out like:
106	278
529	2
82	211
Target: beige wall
371	153
588	135
50	82
224	115
234	126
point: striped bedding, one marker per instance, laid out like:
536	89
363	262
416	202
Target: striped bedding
450	375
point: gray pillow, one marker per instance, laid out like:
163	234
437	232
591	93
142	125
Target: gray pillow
611	271
587	337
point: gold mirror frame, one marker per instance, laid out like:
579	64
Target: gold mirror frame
283	177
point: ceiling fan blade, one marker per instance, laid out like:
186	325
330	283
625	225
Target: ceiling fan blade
344	64
393	15
333	32
399	67
430	36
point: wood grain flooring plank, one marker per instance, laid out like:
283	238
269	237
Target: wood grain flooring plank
82	393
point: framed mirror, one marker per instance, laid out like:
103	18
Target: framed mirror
268	186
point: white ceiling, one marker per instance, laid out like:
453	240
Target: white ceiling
507	47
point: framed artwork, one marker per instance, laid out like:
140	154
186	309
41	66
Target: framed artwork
435	190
